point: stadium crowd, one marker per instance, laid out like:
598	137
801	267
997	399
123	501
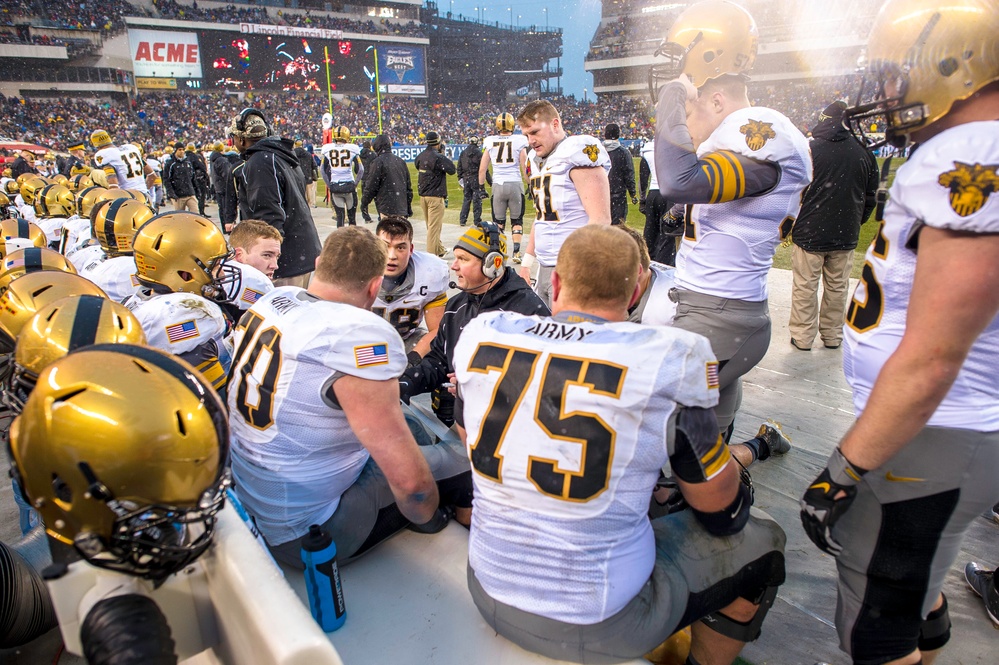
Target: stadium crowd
155	117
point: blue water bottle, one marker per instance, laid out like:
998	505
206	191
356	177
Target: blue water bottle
322	579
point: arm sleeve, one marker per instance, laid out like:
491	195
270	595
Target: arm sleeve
371	185
629	164
871	191
715	178
644	177
263	202
432	370
446	164
167	185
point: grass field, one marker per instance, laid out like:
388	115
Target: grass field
636	220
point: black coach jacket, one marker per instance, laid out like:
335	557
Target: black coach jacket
388	184
270	187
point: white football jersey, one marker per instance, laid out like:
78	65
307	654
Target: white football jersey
566	426
75	235
728	248
24	210
939	186
85	256
504	153
116	276
558	210
649	155
186	325
52	226
253	285
134	169
655	307
342	161
424	286
293	452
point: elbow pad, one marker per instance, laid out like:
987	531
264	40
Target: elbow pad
729	520
697	453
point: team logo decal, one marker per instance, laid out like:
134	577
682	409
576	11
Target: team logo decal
592	152
970	186
400	64
758	133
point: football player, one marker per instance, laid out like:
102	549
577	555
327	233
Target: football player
115	225
108	159
318	435
181	263
256	249
922	337
414	289
342	169
25	200
507	152
569	184
137	169
53	206
567	421
741	170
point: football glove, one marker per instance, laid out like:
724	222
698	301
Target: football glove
483	194
634	200
822	505
641	206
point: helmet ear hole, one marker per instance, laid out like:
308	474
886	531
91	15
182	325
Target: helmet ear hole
62	492
180	424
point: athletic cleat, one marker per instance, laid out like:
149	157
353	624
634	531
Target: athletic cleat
518	257
776	442
982	582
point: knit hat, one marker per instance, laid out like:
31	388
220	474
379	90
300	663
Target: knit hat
433	138
77	146
833	112
474	140
475	241
254	127
382	143
612	131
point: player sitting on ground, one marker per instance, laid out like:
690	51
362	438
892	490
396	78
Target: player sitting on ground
414	288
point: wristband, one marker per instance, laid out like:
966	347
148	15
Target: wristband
527	261
842	471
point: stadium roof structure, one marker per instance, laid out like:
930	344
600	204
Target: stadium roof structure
10	145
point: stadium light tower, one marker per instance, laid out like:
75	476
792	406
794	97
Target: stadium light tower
545	10
511	16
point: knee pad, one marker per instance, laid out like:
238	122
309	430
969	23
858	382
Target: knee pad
743	632
935	631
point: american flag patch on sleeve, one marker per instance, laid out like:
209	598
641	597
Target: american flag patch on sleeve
250	295
371	354
181	331
711	369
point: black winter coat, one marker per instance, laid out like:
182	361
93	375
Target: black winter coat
510	294
842	194
388	184
468	164
622	173
307	164
178	178
434	169
270	187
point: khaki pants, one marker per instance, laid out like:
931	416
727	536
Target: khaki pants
806	318
186	203
297	280
433	212
310	193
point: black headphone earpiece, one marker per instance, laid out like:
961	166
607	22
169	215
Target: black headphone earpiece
492	262
246	113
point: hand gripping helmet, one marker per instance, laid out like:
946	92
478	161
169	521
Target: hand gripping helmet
341	133
86	199
99	138
709	39
30	187
18	233
505	122
122	451
80	182
62	327
33	259
180	252
116	223
922	56
55	201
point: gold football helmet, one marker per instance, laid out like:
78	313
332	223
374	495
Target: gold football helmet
17	233
30	187
55	201
180	252
87	199
341	134
922	56
505	122
80	182
33	259
12	188
137	196
99	138
122	451
115	225
25	176
709	39
62	327
5	210
60	179
79	169
32	292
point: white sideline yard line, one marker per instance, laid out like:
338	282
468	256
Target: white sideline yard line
805	610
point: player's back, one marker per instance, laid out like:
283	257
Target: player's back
566	422
135	171
340	158
504	153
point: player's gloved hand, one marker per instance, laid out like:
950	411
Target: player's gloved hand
483	194
641	206
634	200
826	500
405	389
413	358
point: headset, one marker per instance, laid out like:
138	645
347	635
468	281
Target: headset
492	262
246	113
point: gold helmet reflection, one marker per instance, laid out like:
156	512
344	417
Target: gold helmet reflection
18	233
33	259
116	223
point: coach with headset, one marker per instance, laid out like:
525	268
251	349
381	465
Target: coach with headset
270	186
485	284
